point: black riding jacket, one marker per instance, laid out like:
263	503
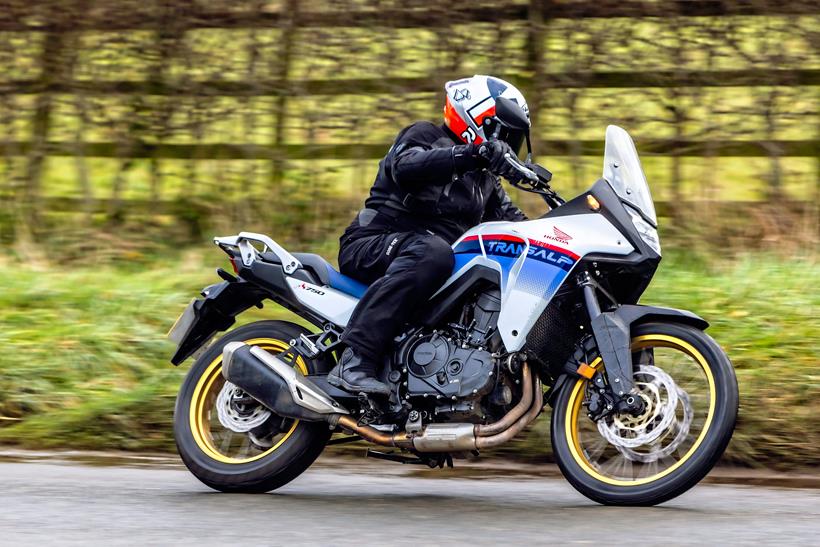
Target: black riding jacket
428	182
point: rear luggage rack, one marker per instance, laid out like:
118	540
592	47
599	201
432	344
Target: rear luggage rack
248	253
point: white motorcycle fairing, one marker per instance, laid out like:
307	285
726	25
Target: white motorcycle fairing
533	258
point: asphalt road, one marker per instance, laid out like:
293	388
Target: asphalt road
385	504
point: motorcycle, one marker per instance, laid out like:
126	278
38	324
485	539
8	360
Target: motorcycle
539	312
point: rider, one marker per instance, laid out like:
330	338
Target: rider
435	183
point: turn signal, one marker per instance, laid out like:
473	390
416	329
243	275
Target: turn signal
593	203
585	370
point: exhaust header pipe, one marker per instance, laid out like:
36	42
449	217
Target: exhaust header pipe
460	437
276	384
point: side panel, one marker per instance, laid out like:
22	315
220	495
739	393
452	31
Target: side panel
534	259
325	301
542	273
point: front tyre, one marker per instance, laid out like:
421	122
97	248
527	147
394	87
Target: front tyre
690	397
228	440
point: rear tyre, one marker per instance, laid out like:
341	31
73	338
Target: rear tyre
691	398
269	455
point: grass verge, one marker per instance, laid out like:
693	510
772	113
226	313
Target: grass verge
83	359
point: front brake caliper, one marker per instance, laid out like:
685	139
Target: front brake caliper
602	401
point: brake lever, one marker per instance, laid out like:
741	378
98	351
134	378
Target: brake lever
528	173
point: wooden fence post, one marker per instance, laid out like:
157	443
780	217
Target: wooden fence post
282	75
81	108
243	205
678	112
816	209
169	42
40	125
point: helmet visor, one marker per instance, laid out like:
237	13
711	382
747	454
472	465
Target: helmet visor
513	137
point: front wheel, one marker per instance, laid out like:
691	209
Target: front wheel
690	400
227	439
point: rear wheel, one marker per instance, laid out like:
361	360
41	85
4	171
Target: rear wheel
690	398
228	440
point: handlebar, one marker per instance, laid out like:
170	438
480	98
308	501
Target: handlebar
538	182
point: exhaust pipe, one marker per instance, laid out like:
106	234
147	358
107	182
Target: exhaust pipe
487	430
285	391
459	437
276	384
520	424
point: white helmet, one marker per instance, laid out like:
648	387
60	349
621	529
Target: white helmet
469	110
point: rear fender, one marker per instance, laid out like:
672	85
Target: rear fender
224	301
217	312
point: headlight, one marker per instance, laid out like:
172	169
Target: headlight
648	233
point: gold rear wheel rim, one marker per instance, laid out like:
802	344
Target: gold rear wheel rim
199	411
577	397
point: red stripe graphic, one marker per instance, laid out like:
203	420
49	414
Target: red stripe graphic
496	237
554	248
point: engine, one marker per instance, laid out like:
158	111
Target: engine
439	366
453	367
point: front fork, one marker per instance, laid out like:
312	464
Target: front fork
613	339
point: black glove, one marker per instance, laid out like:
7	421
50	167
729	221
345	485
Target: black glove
466	158
495	154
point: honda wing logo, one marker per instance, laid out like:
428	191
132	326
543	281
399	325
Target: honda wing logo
559	236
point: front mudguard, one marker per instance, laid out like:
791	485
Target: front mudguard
612	333
217	312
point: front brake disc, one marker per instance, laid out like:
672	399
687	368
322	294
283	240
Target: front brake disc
662	396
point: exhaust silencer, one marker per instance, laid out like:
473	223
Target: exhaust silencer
276	384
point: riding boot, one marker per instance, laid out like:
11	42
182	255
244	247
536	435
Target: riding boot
355	375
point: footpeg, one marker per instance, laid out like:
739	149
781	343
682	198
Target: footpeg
370	410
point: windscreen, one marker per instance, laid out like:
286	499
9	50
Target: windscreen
623	171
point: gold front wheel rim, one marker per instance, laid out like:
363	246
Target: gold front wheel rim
202	405
576	399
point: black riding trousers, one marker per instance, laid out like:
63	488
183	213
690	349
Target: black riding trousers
405	269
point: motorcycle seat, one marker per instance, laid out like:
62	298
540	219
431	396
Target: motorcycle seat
324	272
